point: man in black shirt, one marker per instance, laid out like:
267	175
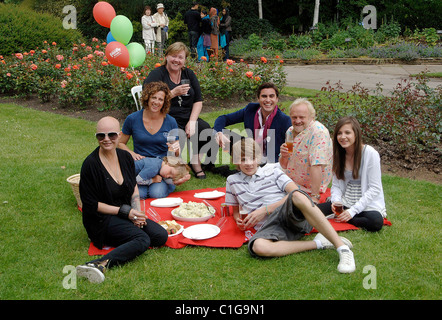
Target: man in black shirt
192	19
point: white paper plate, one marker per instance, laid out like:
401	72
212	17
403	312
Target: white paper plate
209	195
166	202
201	231
191	219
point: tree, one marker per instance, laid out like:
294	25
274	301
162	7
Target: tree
316	13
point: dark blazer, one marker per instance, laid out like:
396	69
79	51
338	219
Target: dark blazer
280	124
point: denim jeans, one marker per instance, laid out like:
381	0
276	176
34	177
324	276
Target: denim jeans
156	190
193	41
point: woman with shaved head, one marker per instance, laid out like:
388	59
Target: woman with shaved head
111	204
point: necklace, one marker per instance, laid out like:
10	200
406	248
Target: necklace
112	172
178	77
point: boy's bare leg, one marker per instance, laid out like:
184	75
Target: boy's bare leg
316	218
269	248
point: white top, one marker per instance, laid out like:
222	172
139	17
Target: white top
371	185
148	24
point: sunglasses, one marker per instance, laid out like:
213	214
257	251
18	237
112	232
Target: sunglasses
111	135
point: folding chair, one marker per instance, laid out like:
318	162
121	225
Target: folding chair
136	93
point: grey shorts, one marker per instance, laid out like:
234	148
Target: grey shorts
286	223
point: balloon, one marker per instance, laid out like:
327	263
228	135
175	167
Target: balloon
104	13
110	38
117	54
137	54
122	29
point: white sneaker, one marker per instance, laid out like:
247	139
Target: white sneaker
346	261
328	245
92	272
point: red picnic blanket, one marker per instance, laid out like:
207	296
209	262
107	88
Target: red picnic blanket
229	237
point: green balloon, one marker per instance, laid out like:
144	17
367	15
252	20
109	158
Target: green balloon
137	54
121	29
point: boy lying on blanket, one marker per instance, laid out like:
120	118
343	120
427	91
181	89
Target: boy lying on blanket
278	209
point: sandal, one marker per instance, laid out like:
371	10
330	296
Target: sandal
203	176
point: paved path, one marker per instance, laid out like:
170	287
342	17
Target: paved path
316	76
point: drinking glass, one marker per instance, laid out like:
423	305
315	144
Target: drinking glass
186	81
337	208
289	141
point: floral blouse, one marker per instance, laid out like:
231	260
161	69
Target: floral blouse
311	147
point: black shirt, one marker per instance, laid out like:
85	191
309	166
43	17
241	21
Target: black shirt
181	106
192	18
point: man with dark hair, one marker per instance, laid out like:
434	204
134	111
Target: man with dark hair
192	19
263	121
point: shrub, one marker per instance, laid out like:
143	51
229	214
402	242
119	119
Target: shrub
388	31
22	29
305	54
255	42
407	121
300	41
405	51
427	36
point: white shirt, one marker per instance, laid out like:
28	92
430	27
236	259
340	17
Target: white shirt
371	185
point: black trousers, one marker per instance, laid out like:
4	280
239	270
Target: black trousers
367	220
130	241
205	143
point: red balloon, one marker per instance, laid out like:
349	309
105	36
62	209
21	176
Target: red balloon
117	54
104	13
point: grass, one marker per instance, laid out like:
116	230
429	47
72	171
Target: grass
430	75
41	233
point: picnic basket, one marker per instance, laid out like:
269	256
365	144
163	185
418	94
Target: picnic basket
74	181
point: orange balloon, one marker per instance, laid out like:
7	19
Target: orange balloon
117	54
104	13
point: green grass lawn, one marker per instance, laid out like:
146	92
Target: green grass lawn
41	233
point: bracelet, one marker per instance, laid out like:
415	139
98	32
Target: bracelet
317	196
267	210
124	211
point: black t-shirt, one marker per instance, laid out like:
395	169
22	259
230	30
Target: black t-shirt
181	106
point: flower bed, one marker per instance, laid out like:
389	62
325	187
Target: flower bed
82	76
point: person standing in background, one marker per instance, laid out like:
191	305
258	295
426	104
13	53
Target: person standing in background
214	21
148	23
225	29
192	19
163	27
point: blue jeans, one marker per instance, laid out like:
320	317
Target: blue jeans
193	41
156	190
148	168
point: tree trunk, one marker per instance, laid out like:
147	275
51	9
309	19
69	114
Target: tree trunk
316	14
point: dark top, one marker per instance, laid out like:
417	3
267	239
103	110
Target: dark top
181	106
206	26
281	122
97	185
192	18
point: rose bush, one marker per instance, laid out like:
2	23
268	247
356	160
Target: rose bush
82	76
